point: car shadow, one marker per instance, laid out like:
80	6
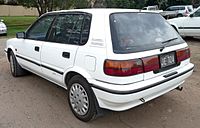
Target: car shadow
192	39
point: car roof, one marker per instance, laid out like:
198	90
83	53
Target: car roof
101	10
180	5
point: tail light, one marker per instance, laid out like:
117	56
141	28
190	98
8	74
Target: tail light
131	67
123	67
182	54
151	63
137	66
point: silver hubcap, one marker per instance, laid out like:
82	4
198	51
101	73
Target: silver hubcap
79	99
11	64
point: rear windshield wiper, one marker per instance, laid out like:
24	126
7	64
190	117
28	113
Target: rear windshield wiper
167	42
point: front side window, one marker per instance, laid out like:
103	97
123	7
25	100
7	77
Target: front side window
136	32
174	8
67	29
168	9
189	9
40	29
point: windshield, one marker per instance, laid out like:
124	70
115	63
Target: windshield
136	32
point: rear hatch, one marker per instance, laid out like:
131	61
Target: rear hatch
144	43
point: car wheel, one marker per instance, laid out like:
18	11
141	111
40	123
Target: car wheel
179	15
81	99
15	68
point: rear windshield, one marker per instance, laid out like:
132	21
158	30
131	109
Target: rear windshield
136	32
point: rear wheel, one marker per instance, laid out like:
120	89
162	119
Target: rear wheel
179	15
15	68
81	99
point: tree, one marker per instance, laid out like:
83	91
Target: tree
121	3
81	3
44	6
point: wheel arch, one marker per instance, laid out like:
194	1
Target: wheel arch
76	71
9	49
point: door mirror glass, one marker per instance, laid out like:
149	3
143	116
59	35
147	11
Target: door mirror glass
20	35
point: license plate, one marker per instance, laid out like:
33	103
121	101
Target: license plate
167	59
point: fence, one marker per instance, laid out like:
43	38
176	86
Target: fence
8	10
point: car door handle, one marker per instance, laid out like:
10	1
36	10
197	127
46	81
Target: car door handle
37	49
66	54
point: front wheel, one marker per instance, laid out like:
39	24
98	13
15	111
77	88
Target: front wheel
15	68
81	99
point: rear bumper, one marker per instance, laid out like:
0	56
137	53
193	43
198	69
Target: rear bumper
123	97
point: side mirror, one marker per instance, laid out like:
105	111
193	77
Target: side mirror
191	15
20	35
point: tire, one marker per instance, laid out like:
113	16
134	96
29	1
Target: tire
81	103
15	68
179	15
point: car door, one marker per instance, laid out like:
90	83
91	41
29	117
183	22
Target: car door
59	53
192	24
29	49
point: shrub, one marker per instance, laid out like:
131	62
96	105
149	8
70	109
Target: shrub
2	2
12	2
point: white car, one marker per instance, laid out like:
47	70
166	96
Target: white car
114	59
3	28
182	10
187	26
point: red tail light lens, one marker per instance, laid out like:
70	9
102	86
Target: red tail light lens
182	54
123	67
151	63
137	66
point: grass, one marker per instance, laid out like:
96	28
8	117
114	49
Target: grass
17	23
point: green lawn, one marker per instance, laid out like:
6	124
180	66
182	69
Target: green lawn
17	23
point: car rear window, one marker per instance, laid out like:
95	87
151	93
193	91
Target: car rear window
136	32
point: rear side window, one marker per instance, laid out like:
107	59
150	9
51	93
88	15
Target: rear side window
136	32
67	29
86	29
181	8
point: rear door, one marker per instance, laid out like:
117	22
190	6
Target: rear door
192	24
59	53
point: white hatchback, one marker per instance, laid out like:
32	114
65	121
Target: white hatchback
114	59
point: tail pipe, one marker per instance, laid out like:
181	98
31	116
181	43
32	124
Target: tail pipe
179	88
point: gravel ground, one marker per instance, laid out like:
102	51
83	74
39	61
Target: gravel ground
32	102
